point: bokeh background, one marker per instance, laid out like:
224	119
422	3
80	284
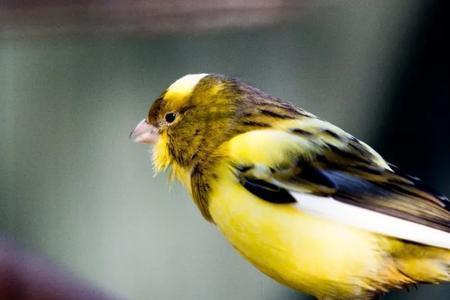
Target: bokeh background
76	76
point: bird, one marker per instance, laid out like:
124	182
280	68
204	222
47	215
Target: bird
305	202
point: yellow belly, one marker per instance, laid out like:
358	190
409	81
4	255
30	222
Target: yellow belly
305	252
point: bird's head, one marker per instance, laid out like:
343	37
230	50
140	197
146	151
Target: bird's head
198	112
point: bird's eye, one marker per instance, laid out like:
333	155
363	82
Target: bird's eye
170	117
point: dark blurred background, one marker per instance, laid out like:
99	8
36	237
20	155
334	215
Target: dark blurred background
76	76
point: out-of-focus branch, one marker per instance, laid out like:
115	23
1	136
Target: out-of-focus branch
27	17
27	277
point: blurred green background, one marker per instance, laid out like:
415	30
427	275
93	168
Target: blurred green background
73	85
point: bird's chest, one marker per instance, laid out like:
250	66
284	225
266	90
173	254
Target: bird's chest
299	250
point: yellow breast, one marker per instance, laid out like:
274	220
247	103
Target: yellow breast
302	251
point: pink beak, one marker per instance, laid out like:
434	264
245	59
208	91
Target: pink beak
144	133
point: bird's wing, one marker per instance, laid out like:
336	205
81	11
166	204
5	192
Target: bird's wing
334	175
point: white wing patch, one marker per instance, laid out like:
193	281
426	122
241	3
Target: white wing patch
369	220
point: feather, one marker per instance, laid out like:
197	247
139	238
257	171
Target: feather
344	173
371	220
338	208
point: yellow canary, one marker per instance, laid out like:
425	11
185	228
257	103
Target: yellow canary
304	201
